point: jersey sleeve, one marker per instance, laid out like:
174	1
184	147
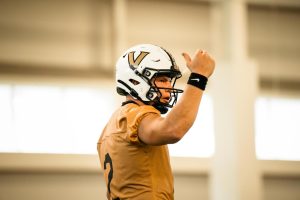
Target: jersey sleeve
134	118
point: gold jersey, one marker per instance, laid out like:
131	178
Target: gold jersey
132	169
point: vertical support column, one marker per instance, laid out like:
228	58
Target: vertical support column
234	174
235	29
119	26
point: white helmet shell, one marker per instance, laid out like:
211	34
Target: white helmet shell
138	65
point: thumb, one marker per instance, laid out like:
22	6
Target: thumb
187	58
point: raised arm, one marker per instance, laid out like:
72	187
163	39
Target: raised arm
156	130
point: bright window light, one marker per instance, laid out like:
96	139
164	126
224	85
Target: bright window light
52	119
199	141
69	120
7	137
277	128
41	119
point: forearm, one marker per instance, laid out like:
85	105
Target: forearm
183	115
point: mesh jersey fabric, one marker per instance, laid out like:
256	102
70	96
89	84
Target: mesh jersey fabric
132	169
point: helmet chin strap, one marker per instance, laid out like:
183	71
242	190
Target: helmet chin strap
162	109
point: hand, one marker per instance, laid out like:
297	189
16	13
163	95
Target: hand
202	63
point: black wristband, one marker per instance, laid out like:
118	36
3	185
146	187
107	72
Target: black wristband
197	80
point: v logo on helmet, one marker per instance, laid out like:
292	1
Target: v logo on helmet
139	58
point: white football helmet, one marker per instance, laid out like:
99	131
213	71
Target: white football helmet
139	66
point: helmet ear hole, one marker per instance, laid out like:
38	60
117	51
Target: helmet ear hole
134	82
150	95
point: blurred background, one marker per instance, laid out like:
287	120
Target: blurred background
57	91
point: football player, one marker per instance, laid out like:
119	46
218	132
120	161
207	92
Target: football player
133	145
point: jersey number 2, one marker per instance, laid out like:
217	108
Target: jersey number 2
111	171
